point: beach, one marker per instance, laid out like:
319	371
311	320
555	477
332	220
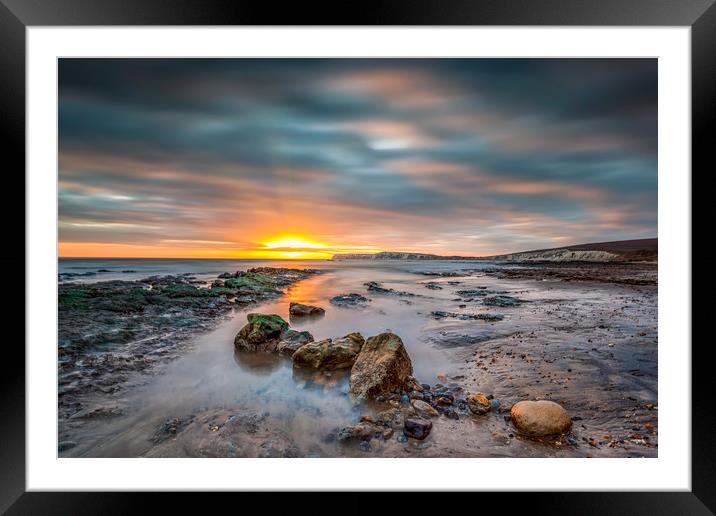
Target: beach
147	365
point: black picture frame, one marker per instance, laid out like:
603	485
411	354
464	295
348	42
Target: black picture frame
17	15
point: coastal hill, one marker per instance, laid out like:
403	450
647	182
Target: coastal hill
643	250
400	256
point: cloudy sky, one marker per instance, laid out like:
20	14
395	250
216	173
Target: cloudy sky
258	157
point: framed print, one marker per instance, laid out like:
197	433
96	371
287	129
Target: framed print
453	241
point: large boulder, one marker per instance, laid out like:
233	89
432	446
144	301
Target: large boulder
291	340
262	333
340	353
301	310
540	418
382	366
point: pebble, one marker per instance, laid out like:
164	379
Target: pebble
444	401
364	446
450	413
478	403
401	438
417	427
424	409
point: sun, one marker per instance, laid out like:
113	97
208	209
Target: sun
293	247
293	241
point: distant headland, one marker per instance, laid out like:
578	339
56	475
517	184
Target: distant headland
644	250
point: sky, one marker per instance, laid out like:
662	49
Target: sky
305	158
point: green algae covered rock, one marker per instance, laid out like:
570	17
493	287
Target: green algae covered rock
253	282
262	333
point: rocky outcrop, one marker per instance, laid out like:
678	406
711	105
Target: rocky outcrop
382	366
349	300
439	314
377	288
540	418
262	333
501	300
301	310
339	353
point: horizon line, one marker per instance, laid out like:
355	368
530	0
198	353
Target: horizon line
334	254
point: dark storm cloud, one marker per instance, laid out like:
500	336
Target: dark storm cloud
191	145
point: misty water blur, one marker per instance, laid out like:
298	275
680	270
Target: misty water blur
213	375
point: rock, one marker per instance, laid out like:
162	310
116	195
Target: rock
377	288
467	317
433	286
349	300
374	286
417	428
392	417
330	353
440	314
382	366
291	340
411	384
262	333
478	403
540	418
450	413
501	300
299	309
424	409
364	431
225	275
445	401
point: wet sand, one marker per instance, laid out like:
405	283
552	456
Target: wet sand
589	345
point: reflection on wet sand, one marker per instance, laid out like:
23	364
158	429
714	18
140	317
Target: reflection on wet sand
304	320
312	379
258	362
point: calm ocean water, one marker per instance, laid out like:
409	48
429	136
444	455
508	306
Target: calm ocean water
92	270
